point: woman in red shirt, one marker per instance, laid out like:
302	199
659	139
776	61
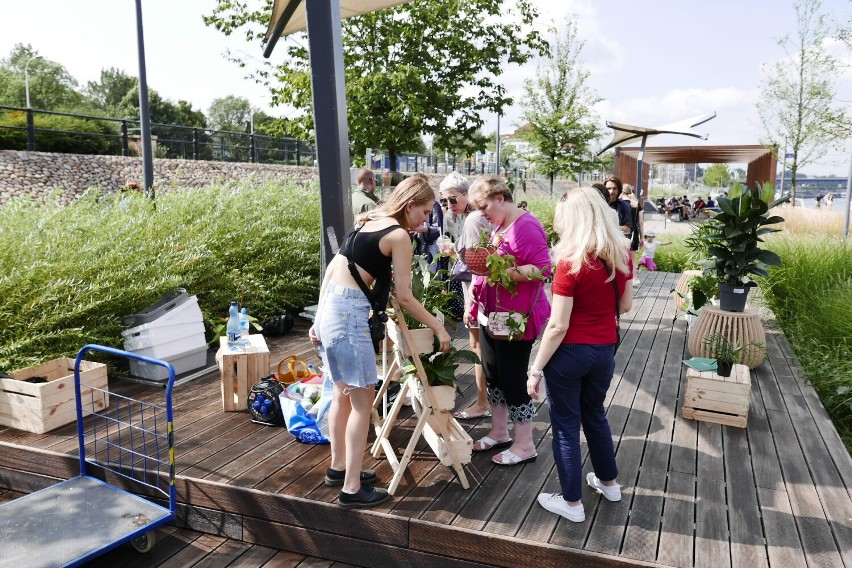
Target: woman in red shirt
576	357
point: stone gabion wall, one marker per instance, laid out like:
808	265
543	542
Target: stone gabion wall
36	174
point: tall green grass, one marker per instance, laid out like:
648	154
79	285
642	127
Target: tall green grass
811	296
68	274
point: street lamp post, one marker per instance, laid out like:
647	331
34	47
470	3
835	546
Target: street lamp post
27	77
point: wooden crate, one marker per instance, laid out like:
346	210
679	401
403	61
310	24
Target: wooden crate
41	407
460	441
723	400
240	369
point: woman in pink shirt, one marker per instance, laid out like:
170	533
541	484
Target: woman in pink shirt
505	361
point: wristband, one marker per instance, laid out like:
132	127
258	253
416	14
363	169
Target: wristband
535	373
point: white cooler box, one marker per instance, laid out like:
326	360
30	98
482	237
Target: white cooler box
182	363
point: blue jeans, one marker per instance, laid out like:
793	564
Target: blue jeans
577	379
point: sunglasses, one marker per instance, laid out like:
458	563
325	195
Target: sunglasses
451	200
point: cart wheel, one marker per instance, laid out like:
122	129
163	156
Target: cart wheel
145	542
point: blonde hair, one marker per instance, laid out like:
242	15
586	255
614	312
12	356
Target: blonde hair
414	188
589	230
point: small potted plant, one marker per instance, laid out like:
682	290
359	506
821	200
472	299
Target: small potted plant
734	245
727	352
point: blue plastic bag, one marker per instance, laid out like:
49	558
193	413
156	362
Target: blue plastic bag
304	425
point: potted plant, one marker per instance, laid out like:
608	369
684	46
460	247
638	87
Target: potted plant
432	293
727	351
734	245
700	289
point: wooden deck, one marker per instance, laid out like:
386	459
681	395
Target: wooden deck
776	494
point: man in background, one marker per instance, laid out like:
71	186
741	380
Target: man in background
364	197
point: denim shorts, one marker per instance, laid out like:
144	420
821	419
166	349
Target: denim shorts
347	351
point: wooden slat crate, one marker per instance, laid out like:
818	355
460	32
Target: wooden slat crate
723	400
240	369
41	407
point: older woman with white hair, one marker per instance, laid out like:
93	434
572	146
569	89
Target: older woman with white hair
576	357
454	189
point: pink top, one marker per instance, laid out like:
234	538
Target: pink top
526	241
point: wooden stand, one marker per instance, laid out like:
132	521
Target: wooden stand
240	369
682	286
450	442
723	400
741	327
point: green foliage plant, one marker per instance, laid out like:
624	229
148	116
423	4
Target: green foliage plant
727	351
740	226
68	274
811	297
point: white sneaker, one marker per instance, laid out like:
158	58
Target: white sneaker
610	492
554	503
636	282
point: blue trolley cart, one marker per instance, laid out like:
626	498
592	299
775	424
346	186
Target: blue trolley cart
130	444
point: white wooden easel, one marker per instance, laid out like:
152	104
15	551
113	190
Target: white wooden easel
438	427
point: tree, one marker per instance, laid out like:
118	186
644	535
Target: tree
558	107
108	93
51	86
717	175
797	101
230	113
425	67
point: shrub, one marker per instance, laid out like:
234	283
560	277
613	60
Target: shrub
68	274
58	133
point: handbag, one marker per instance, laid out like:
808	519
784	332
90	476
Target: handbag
617	315
497	325
378	298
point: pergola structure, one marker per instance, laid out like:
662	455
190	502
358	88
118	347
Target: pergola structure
760	160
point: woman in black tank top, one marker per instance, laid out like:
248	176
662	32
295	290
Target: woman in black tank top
341	328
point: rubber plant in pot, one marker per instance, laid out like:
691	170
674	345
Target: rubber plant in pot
735	245
727	352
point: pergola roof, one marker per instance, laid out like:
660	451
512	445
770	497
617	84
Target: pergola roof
288	16
698	154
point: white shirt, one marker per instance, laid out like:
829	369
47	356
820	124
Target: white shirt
650	249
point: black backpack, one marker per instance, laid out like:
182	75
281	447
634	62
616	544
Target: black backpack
263	402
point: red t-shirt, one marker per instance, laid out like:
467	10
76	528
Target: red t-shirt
593	314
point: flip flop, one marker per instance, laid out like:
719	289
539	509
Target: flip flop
485	443
509	458
465	415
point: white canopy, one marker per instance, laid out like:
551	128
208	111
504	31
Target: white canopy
296	11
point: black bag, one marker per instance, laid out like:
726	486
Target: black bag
263	402
378	298
617	315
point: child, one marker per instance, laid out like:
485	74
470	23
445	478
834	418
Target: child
649	248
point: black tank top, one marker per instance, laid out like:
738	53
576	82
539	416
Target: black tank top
367	254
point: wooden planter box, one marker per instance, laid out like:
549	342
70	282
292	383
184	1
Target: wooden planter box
460	441
723	400
422	338
41	407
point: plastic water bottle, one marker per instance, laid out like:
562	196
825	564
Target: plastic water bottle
244	327
233	327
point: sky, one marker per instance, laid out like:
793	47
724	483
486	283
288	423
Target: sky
653	62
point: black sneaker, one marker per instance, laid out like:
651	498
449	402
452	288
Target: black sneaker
334	477
366	497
